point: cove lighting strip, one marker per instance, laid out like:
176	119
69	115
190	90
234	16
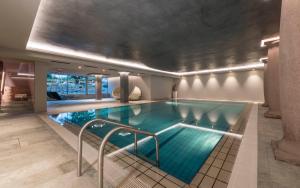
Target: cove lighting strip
56	50
227	69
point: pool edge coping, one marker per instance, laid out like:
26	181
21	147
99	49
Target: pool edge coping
244	173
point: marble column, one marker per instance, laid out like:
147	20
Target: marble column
98	87
40	87
288	149
266	103
273	85
1	81
124	87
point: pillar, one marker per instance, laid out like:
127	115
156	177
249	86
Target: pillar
266	103
1	81
273	85
98	87
40	87
288	148
124	87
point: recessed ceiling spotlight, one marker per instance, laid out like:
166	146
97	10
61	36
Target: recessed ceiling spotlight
267	40
103	70
79	67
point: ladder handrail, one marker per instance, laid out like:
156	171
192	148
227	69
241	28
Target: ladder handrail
104	141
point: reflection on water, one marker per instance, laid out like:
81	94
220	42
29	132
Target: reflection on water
157	116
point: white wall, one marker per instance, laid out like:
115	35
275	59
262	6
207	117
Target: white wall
236	86
153	87
161	87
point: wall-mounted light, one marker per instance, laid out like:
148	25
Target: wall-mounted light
263	59
124	73
268	40
22	77
25	74
25	69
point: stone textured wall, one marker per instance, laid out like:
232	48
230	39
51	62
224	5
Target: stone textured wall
236	86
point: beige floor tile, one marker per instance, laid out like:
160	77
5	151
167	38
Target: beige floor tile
207	182
158	186
168	184
221	156
230	158
140	167
128	160
224	176
197	179
175	180
213	172
219	184
147	180
209	160
225	150
227	166
218	163
155	176
157	170
204	169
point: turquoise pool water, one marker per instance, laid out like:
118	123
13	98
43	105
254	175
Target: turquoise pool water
182	150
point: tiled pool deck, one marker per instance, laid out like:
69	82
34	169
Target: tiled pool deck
32	155
214	173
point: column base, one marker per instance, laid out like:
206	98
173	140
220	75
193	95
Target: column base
287	151
265	104
274	115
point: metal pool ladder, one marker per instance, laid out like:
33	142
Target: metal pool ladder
119	127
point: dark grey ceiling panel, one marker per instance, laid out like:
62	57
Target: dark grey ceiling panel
173	35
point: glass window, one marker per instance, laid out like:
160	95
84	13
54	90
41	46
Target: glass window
91	84
65	84
76	84
57	83
104	87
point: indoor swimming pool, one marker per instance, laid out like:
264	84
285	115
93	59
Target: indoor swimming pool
188	131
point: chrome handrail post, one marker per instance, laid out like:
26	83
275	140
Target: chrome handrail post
101	155
157	149
105	140
79	157
135	142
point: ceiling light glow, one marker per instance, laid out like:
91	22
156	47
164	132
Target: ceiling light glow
25	74
227	69
57	50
